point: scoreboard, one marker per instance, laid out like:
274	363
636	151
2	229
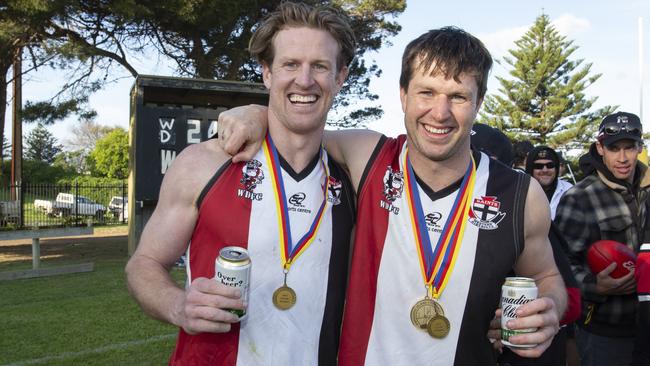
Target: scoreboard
167	115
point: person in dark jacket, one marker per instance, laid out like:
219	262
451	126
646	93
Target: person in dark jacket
609	203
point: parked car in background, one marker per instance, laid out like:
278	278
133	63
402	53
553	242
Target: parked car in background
119	207
9	213
67	204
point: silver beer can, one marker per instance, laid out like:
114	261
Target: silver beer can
233	268
516	291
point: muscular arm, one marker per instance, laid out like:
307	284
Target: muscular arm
165	239
536	261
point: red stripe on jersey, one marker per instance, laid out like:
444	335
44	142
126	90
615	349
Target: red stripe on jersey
642	272
223	220
362	288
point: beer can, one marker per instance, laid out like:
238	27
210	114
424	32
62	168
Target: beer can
516	291
233	268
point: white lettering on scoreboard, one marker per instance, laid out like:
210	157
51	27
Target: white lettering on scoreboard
167	137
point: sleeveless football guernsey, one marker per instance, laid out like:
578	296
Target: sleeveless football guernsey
386	278
237	207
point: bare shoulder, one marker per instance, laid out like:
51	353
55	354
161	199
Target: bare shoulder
193	168
537	214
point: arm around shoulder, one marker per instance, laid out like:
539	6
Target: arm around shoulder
352	149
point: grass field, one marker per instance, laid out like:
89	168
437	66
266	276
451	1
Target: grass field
77	319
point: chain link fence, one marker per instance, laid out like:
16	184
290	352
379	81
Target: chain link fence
28	206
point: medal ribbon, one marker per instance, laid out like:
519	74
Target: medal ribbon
437	263
289	251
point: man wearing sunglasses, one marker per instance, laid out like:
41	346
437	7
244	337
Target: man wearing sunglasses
609	203
543	164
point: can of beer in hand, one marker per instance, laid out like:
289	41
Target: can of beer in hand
516	291
233	268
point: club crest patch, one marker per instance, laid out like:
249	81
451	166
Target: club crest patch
485	213
252	176
334	191
393	188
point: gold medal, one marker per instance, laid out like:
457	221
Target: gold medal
423	311
284	297
438	327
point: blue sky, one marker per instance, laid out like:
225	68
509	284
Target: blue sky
606	32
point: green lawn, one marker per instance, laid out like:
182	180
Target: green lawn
79	319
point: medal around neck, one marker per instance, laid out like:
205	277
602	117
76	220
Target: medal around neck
423	311
284	297
438	327
436	262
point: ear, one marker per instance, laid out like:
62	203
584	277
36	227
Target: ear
600	148
341	76
267	75
479	103
402	97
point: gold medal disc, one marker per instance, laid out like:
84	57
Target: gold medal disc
423	311
438	327
284	298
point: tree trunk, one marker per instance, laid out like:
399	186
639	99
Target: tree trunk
17	125
4	69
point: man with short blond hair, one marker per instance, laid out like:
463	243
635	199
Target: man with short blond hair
290	206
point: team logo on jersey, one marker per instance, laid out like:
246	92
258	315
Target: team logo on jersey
296	200
393	188
432	221
334	191
252	176
485	213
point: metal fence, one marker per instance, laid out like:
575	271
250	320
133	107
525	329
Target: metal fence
26	206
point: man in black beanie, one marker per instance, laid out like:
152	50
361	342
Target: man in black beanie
543	164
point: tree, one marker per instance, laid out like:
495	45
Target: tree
41	145
110	158
545	100
85	135
208	46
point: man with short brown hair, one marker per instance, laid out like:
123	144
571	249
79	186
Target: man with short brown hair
611	202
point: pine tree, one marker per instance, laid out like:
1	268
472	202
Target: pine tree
545	100
41	145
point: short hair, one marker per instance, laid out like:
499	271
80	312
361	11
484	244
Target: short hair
453	51
290	14
521	150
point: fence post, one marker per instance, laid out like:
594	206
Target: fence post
21	195
123	203
76	200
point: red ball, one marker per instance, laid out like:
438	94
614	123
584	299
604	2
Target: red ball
603	252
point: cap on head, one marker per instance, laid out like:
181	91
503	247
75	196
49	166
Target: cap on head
620	126
542	153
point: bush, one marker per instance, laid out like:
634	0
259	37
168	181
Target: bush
35	172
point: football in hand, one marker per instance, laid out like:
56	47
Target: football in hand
603	252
